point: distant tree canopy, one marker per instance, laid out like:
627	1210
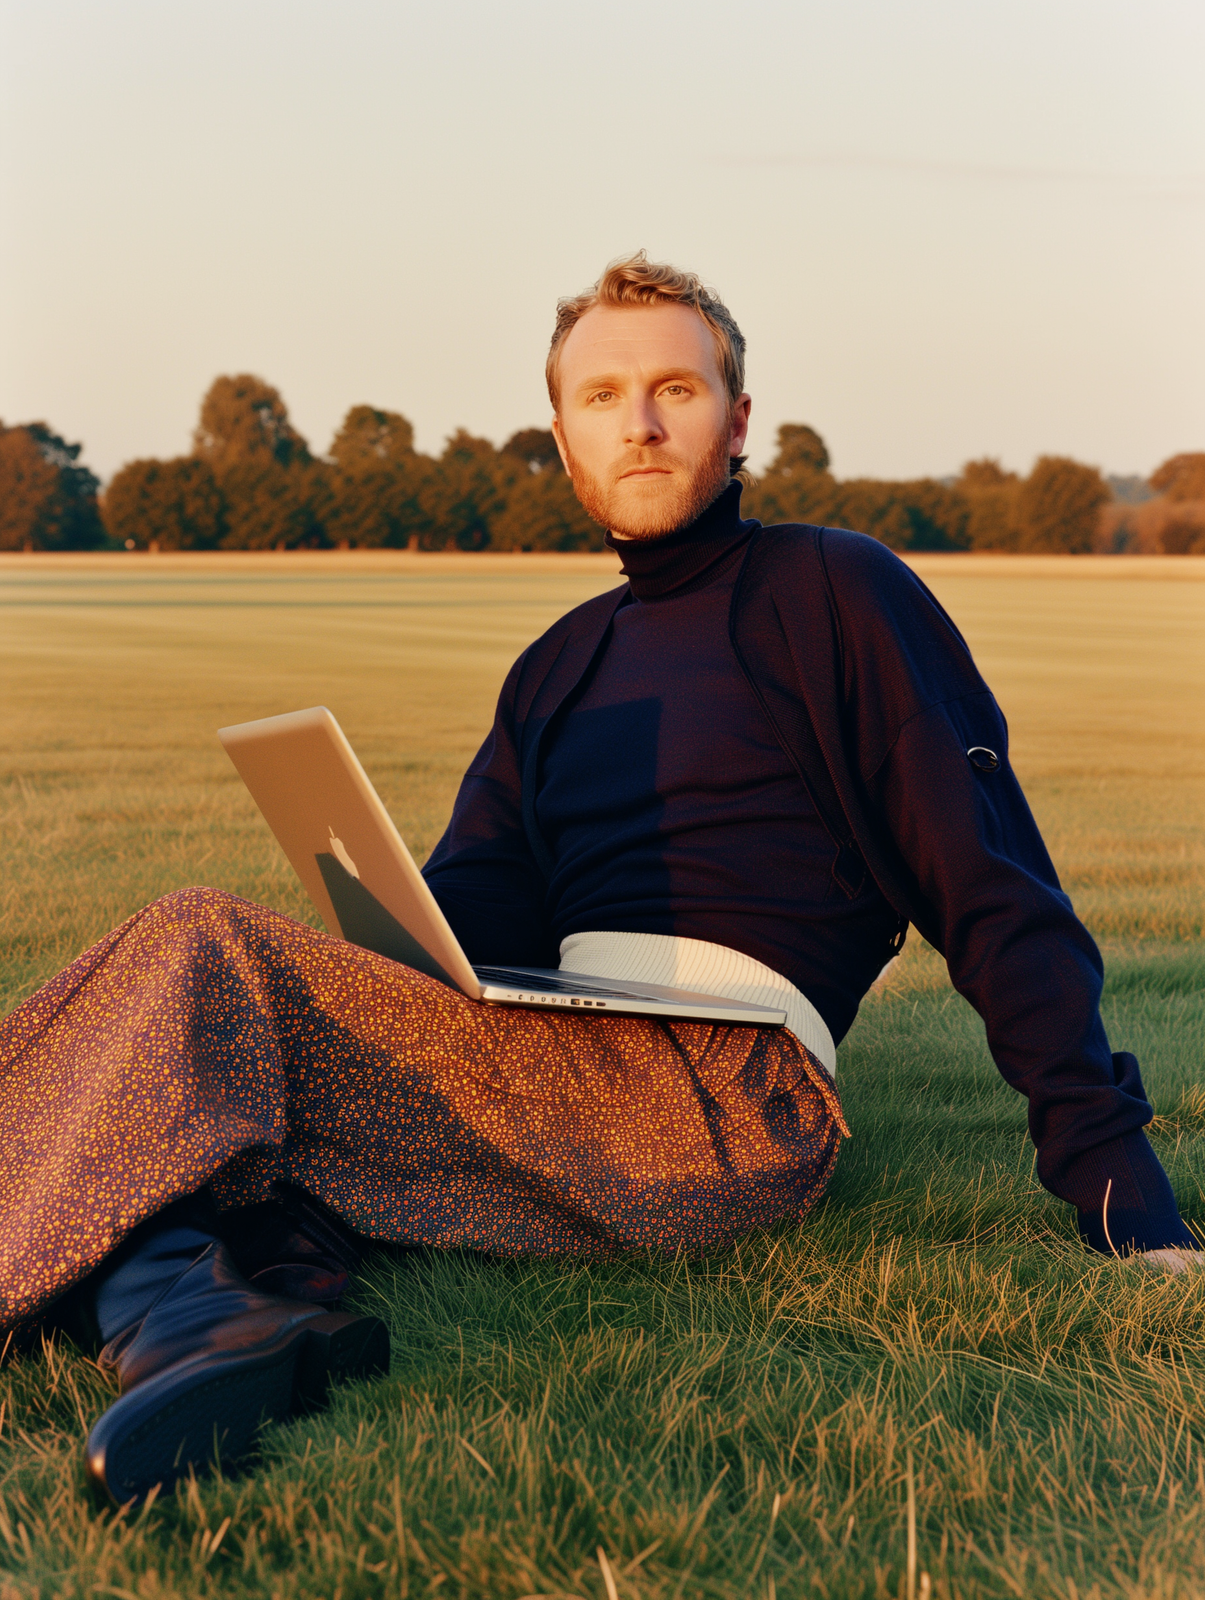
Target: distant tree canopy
800	450
467	491
978	477
368	437
1181	477
1059	505
535	446
990	494
47	500
244	419
1056	508
797	486
167	505
252	483
1172	524
269	506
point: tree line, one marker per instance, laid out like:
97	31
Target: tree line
1061	506
251	482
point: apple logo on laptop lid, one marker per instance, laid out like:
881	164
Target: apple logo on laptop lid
339	851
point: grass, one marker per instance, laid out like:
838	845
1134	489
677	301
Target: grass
755	1423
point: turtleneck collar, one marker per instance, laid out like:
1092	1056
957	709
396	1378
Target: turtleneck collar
660	569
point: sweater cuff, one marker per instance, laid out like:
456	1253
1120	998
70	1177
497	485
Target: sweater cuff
1137	1209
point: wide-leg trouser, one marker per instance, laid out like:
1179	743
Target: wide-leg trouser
211	1041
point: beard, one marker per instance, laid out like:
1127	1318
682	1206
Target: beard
681	499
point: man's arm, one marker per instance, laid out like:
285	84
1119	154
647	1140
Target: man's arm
1016	950
956	849
482	871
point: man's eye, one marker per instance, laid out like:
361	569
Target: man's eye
675	388
604	394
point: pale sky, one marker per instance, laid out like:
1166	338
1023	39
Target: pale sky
949	228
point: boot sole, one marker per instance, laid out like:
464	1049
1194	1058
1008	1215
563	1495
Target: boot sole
206	1409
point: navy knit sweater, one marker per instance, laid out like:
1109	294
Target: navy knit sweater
670	807
868	681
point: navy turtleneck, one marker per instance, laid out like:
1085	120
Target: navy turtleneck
668	804
681	562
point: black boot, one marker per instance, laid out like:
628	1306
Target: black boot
293	1246
203	1357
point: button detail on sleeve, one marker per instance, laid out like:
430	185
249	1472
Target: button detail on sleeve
983	758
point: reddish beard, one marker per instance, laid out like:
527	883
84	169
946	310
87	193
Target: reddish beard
686	498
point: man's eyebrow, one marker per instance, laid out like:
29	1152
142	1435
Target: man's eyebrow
615	380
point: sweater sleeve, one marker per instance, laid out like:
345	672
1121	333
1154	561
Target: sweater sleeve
482	872
958	852
1017	951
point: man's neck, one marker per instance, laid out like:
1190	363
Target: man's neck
674	562
670	533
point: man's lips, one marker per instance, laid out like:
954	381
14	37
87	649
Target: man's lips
646	472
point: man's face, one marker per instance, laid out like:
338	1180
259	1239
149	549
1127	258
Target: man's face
645	427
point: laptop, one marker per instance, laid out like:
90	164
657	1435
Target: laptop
317	799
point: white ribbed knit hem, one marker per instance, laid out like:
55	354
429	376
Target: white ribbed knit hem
705	968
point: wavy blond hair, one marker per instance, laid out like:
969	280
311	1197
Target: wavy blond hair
636	281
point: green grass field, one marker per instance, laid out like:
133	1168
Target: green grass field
756	1423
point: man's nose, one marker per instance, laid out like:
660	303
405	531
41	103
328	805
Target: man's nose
643	424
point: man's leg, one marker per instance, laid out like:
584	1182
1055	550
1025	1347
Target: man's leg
202	1355
213	1042
209	1041
130	1076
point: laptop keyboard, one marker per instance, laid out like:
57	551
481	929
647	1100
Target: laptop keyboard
545	984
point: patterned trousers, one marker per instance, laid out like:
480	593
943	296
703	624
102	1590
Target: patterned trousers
211	1041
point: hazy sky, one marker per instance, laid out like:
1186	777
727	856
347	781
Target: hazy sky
949	228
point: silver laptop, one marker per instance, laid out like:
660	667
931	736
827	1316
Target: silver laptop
315	796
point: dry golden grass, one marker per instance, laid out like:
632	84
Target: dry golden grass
740	1426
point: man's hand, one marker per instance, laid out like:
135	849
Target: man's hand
1170	1260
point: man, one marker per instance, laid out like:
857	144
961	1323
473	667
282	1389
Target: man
746	770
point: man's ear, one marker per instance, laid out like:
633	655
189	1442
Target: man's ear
740	425
559	436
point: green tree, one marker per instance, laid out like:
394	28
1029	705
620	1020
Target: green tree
468	489
1059	505
376	481
774	500
796	486
800	450
367	437
275	507
171	505
920	514
243	419
536	447
27	485
1181	477
47	500
991	495
985	473
275	495
543	513
382	503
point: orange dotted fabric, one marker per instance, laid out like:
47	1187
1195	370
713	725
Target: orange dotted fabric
209	1040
